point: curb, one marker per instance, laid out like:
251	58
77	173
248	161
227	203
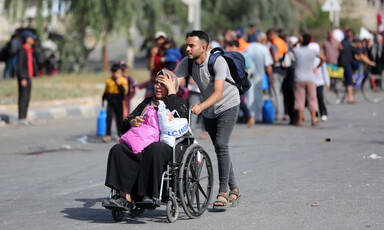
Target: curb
61	109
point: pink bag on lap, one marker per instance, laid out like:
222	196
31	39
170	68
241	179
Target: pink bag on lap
137	138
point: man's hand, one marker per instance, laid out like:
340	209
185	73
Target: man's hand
196	109
154	51
137	121
118	80
24	83
328	86
315	70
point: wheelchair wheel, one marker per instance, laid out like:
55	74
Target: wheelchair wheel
117	215
195	181
172	211
136	212
372	88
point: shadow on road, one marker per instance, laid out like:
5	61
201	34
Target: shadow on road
92	212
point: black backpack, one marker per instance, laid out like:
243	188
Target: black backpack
236	64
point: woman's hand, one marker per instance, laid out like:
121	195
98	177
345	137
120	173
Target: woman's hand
168	82
137	121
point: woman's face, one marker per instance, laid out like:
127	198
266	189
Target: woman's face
160	90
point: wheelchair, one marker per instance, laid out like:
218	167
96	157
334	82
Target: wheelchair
187	181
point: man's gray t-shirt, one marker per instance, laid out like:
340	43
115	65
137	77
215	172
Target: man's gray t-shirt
205	81
260	56
304	58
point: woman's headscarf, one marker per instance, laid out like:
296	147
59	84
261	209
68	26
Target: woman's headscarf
154	101
173	76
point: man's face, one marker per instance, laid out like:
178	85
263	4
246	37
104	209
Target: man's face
195	47
160	41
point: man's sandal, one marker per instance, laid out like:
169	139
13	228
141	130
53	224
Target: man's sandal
234	202
221	204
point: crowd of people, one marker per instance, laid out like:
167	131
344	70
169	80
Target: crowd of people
46	61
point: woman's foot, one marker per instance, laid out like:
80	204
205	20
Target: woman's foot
107	139
234	197
222	200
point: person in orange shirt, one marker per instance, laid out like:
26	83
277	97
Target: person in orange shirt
278	48
116	87
241	38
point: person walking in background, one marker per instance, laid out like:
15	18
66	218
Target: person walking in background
321	80
351	52
278	49
7	57
154	63
305	87
26	70
220	109
116	87
262	59
131	88
249	66
241	38
331	48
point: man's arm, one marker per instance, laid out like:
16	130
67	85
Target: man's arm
268	70
363	58
211	100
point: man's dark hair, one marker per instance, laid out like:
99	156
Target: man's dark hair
307	38
115	67
271	31
200	34
234	43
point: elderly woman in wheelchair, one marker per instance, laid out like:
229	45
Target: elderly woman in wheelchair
136	180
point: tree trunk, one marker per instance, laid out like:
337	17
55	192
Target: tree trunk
104	49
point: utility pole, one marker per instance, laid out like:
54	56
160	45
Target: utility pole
194	14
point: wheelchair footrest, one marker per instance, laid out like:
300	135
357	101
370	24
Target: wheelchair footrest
106	204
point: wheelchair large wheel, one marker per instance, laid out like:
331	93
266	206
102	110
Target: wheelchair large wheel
195	181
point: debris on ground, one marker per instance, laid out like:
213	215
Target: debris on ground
67	147
315	204
83	139
373	156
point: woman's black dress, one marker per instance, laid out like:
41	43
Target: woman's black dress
125	168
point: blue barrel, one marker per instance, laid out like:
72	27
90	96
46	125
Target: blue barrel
268	111
101	123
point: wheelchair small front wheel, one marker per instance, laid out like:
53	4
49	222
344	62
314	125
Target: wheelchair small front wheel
172	211
117	215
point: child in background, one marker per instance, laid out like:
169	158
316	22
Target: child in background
172	55
116	87
131	89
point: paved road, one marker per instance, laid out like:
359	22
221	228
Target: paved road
290	177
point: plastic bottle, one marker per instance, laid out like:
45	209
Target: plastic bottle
268	111
101	123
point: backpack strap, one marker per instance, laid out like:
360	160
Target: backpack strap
213	57
190	65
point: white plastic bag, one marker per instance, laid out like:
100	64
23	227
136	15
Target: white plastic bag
170	126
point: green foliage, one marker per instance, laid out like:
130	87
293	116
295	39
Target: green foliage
219	14
353	23
321	21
